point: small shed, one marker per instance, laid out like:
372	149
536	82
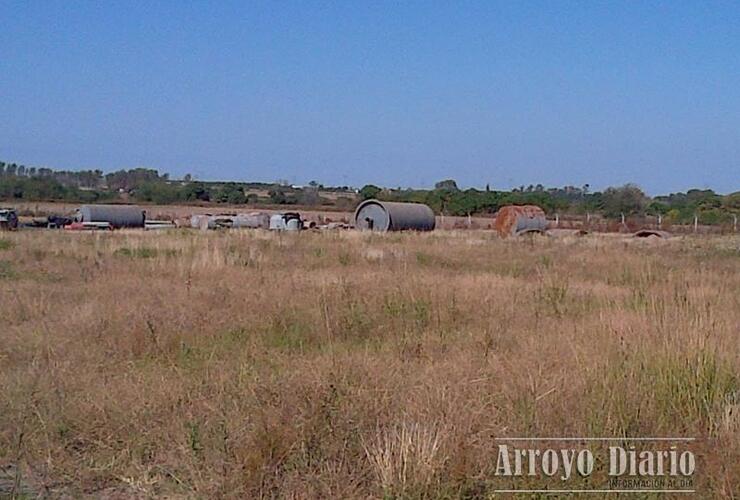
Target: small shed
115	215
513	220
375	215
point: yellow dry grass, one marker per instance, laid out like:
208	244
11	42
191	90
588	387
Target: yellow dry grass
351	365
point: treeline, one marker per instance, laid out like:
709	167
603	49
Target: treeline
148	185
628	200
235	193
32	183
88	179
18	182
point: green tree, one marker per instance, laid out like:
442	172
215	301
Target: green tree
657	208
447	185
628	200
196	192
369	191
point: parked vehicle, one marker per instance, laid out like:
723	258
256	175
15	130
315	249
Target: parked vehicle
8	219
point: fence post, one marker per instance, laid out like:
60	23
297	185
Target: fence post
734	224
557	220
660	220
696	223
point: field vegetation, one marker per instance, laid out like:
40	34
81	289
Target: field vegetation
250	364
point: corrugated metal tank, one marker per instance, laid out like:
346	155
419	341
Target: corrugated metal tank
378	215
115	215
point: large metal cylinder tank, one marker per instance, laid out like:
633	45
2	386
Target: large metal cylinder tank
378	215
115	215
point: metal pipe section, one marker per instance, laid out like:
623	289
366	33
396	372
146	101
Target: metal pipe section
378	215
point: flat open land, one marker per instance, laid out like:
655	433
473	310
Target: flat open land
351	365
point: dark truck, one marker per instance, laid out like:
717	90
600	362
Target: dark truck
8	219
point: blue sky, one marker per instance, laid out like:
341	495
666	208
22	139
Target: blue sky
392	93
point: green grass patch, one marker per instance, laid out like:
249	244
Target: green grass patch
288	332
6	270
647	393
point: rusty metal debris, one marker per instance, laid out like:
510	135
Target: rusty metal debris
515	220
89	226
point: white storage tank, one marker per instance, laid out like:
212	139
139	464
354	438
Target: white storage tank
289	221
115	215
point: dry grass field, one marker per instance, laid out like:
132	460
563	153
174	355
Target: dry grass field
351	365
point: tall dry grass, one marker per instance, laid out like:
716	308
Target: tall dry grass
315	365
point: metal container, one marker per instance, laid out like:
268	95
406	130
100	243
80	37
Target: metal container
277	222
115	215
159	224
289	221
254	220
197	221
378	215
